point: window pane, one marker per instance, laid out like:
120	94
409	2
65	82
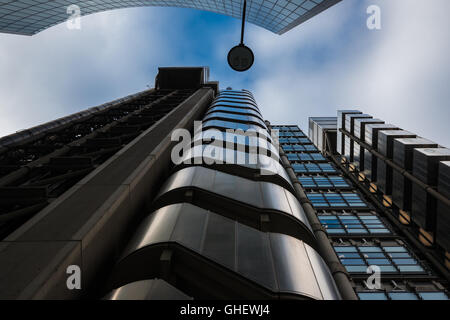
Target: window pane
372	296
433	296
402	296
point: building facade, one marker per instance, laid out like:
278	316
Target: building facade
186	192
27	17
387	227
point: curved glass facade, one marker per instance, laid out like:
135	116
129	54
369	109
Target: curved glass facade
29	17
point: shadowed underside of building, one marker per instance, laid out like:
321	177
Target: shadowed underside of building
26	17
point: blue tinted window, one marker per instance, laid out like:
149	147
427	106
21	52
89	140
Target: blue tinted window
402	296
363	256
372	296
433	295
336	199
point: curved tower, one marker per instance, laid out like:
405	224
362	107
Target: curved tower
226	223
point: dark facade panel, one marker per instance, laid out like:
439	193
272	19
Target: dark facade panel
386	148
350	128
231	259
425	168
403	156
370	161
360	133
443	211
341	125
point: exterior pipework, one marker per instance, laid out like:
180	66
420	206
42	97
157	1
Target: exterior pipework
340	275
234	213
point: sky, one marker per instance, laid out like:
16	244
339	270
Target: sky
400	73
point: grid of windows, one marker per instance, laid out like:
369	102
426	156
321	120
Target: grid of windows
286	128
403	295
286	141
336	200
313	168
29	17
343	214
297	147
302	156
390	259
317	182
287	134
351	224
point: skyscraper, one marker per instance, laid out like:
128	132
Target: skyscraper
374	218
150	204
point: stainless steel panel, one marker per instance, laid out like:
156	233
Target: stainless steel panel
223	125
235	105
246	139
254	250
219	240
235	100
258	194
235	117
277	262
298	269
266	167
152	289
235	110
237	195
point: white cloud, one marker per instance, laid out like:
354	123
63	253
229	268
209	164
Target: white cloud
57	71
399	74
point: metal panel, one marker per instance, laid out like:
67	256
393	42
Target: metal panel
370	161
153	289
341	125
386	148
360	133
443	211
246	203
425	168
285	265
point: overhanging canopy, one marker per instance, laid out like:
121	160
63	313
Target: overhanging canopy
28	17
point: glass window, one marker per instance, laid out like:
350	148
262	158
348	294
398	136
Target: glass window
326	182
352	224
366	256
402	296
372	296
336	199
433	295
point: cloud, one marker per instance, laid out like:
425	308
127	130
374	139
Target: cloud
398	74
61	71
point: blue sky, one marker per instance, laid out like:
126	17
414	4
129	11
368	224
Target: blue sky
400	73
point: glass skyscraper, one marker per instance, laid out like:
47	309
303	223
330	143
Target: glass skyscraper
28	17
